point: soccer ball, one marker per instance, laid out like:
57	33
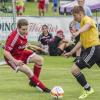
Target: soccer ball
57	92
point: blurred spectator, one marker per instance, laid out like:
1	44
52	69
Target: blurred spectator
20	7
73	29
86	8
36	48
55	5
46	5
44	38
41	7
57	44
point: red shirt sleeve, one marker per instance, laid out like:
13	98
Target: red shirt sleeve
10	42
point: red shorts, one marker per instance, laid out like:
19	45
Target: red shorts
18	8
41	6
24	57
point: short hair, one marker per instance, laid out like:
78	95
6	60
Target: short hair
44	26
78	9
22	22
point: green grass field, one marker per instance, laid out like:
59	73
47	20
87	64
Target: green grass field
56	71
32	10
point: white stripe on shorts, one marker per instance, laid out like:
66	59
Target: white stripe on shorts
89	56
33	54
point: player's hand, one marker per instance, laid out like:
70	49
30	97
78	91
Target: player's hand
68	54
18	62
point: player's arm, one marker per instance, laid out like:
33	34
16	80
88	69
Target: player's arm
85	28
78	45
9	46
8	55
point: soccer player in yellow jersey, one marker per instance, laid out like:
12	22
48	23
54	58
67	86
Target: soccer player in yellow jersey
89	39
20	7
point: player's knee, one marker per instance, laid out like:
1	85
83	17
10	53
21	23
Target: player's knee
40	60
75	71
59	51
29	73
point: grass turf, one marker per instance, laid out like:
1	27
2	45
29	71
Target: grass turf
56	71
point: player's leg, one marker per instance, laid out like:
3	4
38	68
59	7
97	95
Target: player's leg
38	60
17	10
60	48
82	81
76	72
25	69
21	11
46	7
43	12
29	56
39	11
36	82
87	60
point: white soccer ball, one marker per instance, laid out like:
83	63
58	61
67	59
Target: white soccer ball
57	92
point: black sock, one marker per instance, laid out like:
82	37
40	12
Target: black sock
82	81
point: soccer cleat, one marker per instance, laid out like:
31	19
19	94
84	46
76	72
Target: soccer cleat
46	90
86	93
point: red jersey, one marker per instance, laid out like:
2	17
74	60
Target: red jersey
16	44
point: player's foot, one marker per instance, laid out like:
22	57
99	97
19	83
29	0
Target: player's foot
86	93
46	90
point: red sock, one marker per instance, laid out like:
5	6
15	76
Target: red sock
37	82
37	70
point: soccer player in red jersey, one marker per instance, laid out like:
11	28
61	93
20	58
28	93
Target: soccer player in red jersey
41	7
17	57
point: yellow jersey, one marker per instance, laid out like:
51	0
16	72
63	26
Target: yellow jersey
90	37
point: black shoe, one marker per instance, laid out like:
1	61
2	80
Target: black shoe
46	90
32	84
